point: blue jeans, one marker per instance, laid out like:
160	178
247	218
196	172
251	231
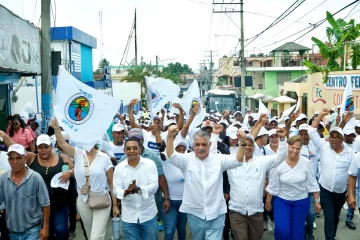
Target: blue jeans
59	224
31	234
206	229
311	216
290	218
174	220
145	231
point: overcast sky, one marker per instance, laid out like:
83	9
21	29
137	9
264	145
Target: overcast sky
184	29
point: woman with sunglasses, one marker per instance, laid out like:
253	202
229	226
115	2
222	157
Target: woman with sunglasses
21	134
100	175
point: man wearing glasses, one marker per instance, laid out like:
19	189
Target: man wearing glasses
335	160
135	183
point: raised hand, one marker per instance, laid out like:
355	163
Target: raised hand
218	128
133	102
178	106
325	111
54	123
262	118
281	132
348	116
173	130
196	108
240	134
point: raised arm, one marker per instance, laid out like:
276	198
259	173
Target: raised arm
193	111
227	116
178	160
67	148
273	161
131	114
7	140
241	150
258	125
292	118
322	114
180	117
346	118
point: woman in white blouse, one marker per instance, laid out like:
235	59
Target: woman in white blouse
290	184
101	175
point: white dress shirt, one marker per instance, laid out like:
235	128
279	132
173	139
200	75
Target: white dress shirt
334	166
356	144
293	183
247	181
203	191
142	206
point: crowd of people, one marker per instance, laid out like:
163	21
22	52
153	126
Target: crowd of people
234	176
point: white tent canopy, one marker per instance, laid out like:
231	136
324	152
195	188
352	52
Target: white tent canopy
284	99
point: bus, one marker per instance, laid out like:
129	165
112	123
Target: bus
219	100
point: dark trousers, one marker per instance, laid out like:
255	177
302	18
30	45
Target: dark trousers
59	224
3	228
72	214
227	224
266	213
331	203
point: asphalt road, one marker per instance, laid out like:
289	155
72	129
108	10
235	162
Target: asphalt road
344	233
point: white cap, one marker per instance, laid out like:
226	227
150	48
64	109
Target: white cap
281	126
333	109
146	123
17	148
43	139
224	122
236	123
322	124
237	112
231	132
357	123
56	182
304	126
248	136
271	132
245	129
273	120
218	115
349	131
286	118
65	135
181	143
262	132
168	123
337	129
118	128
316	113
301	117
171	115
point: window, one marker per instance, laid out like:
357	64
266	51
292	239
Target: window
282	77
236	63
250	63
118	71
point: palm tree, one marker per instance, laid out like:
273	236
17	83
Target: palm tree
339	34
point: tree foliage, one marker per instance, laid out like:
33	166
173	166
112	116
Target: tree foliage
102	64
176	69
338	33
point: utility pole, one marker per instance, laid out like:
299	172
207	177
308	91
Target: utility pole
242	50
211	69
242	57
157	63
46	84
135	39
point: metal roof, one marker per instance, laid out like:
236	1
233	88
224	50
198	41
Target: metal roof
291	47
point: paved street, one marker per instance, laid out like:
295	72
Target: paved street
343	232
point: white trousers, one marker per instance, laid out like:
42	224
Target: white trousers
94	220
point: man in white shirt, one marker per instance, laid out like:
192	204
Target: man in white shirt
135	183
117	145
4	167
247	189
354	178
203	198
335	160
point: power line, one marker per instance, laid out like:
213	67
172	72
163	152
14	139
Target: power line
292	23
32	19
232	21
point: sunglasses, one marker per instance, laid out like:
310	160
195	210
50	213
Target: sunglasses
133	148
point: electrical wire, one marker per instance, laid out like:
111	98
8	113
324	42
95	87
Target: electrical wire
232	21
209	36
292	24
32	19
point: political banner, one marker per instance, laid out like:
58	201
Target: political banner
82	111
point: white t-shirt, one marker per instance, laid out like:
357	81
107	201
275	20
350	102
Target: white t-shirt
311	152
356	144
150	142
4	167
97	170
117	150
175	180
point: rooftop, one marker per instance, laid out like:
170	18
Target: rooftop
291	47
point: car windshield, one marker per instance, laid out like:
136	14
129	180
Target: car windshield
221	103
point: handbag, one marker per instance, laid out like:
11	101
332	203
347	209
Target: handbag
95	200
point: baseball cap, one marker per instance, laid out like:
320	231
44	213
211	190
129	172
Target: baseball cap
65	135
146	123
237	123
238	112
17	148
207	123
301	117
136	132
281	126
245	129
56	182
224	122
322	124
262	132
218	115
271	132
231	132
273	120
316	113
337	129
157	117
43	139
333	109
304	126
118	128
357	123
181	143
286	118
349	131
169	123
248	136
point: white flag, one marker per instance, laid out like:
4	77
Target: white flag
263	108
193	96
347	104
159	92
84	112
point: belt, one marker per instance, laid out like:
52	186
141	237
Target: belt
38	224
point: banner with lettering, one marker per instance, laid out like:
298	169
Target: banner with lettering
84	112
159	92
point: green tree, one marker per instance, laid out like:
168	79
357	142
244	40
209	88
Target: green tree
338	33
177	68
102	64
